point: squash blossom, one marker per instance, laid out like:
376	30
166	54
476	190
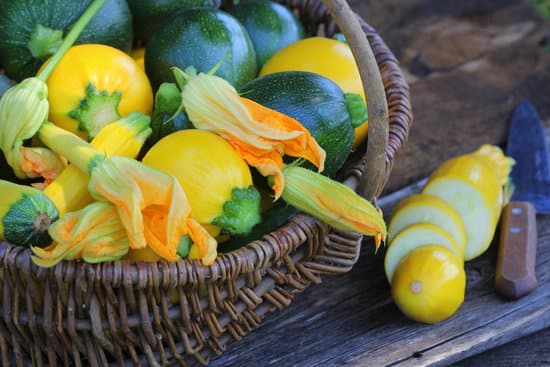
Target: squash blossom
93	233
260	135
152	205
332	202
23	109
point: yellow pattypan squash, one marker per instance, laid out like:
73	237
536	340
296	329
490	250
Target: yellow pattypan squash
94	85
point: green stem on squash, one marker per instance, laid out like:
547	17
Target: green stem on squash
357	109
96	110
71	37
241	212
44	41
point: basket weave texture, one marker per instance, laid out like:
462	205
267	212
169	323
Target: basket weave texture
183	313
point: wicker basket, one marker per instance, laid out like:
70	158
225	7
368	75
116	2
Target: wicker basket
183	313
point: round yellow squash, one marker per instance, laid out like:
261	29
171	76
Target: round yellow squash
94	85
429	284
216	180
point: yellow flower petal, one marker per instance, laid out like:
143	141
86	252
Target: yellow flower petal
41	162
205	242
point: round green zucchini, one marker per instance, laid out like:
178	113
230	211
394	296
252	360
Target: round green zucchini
202	38
26	213
148	13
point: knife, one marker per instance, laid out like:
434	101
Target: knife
515	273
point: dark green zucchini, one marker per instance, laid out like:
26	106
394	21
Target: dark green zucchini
202	38
148	13
31	31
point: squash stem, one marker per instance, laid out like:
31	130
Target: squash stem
75	149
44	41
241	212
357	109
71	37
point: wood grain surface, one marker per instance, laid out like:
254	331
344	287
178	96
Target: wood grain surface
468	64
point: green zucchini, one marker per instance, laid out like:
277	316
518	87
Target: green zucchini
31	31
202	38
317	103
148	13
271	26
26	213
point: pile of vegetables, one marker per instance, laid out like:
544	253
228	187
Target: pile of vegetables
145	143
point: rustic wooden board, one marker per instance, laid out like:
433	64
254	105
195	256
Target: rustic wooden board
531	351
468	64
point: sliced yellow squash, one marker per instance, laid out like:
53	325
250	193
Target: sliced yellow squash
424	208
413	236
472	187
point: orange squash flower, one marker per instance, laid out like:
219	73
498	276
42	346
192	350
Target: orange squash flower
261	136
152	207
93	233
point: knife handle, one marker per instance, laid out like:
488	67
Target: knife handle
515	273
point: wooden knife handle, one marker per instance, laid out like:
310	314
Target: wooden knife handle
515	273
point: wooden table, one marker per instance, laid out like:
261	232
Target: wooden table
468	64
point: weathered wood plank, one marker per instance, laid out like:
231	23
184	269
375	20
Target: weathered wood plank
531	351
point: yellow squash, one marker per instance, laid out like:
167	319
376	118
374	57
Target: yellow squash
216	180
328	57
423	208
474	185
94	85
429	284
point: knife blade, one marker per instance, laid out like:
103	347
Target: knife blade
515	273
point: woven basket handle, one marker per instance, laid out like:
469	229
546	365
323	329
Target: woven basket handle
373	180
